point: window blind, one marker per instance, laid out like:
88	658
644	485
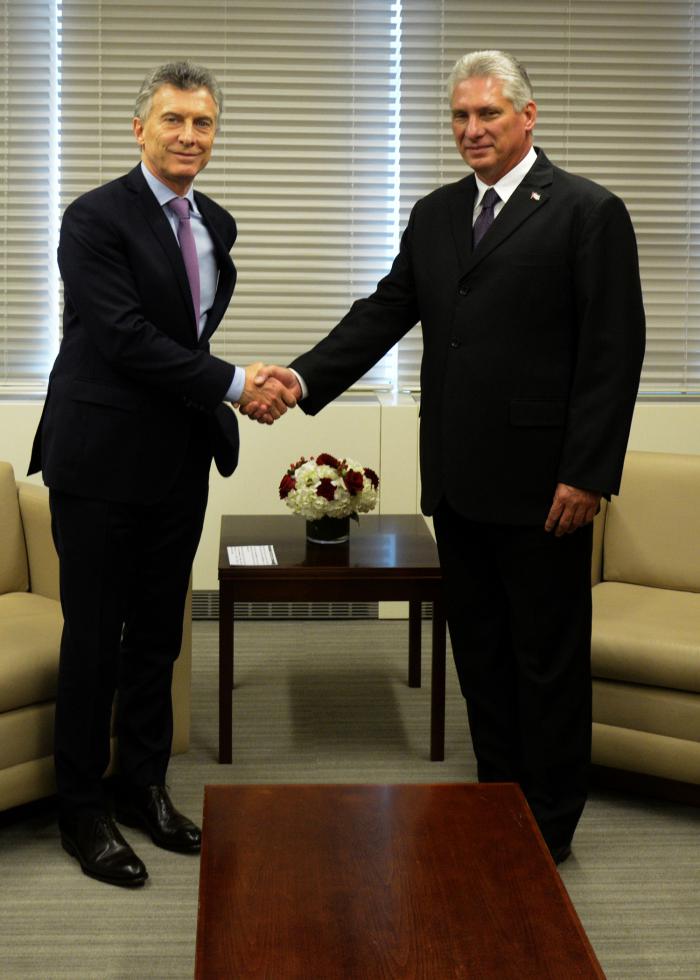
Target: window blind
616	84
308	158
28	163
304	159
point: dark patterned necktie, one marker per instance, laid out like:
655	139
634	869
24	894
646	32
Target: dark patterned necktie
485	219
185	235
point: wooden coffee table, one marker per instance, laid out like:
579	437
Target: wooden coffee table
370	882
388	557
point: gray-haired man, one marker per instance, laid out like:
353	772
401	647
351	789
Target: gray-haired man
526	282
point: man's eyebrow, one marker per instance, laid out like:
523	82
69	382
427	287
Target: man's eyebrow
489	107
179	115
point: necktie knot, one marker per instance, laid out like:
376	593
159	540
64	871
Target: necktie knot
181	207
486	216
490	199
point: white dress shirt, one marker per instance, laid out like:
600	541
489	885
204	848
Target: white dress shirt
506	185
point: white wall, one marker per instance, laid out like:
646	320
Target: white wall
381	432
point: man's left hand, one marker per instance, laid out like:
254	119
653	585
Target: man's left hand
571	509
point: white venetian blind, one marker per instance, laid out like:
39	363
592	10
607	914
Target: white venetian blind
616	83
304	160
27	93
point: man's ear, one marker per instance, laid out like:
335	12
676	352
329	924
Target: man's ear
530	111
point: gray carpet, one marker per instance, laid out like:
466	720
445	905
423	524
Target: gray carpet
328	702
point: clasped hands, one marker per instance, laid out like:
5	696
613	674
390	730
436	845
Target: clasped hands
268	392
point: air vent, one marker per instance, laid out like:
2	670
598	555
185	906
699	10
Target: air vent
205	605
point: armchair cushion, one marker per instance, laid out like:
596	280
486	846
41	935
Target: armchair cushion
30	637
26	740
637	707
646	636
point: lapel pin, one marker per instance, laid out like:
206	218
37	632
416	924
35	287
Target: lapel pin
534	196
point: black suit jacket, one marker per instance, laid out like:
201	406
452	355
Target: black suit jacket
132	383
533	343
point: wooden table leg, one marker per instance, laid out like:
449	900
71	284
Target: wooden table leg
225	672
437	686
414	651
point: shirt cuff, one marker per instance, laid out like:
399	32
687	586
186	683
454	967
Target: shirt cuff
236	387
302	383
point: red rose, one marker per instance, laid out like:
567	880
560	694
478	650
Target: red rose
354	481
325	459
326	488
287	484
372	477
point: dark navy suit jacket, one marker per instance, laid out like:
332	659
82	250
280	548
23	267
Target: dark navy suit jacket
132	383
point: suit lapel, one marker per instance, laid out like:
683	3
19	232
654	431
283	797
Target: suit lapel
531	195
153	213
461	206
159	224
227	272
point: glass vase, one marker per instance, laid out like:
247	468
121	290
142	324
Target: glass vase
328	530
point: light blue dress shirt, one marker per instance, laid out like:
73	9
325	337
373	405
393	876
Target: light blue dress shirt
208	268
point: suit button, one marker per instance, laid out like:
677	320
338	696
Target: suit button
463	290
455	344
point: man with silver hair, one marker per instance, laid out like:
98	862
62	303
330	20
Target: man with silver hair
135	411
526	281
515	83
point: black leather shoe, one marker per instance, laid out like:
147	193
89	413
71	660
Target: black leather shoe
101	850
151	809
561	853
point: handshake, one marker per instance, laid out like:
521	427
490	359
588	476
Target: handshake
268	392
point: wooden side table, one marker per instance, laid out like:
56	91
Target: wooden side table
388	558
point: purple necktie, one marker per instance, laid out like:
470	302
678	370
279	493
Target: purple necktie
185	235
485	219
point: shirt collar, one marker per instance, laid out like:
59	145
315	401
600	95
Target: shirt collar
163	193
508	182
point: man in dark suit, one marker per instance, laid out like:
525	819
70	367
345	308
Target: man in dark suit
533	337
135	411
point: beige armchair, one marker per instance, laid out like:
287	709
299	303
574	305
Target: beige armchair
646	621
30	633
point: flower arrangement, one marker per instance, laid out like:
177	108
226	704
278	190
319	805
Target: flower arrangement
324	486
